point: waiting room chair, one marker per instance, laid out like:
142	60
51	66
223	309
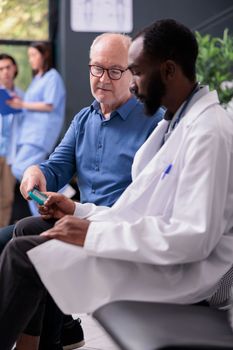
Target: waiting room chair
154	326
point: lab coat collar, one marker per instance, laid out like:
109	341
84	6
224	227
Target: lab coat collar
171	146
207	99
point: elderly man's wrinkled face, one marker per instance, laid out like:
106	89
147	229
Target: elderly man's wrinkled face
147	83
112	88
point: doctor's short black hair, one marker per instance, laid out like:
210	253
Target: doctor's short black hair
168	39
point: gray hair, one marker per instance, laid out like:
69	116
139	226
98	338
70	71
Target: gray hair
125	39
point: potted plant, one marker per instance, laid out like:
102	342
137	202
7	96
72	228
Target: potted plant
215	64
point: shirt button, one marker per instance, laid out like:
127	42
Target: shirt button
100	146
97	168
92	191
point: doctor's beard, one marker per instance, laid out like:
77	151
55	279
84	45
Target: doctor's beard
155	91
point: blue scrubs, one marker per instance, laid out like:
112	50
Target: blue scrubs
40	130
10	126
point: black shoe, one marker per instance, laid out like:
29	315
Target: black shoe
52	347
72	337
56	347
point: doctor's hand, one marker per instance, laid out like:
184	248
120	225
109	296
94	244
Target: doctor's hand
56	206
32	177
69	229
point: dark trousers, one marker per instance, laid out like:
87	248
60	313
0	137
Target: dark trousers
53	318
6	234
22	294
32	226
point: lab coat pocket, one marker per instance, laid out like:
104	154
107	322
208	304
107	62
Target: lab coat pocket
166	189
162	190
153	190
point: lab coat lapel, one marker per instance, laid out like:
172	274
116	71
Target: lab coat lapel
148	150
150	163
152	158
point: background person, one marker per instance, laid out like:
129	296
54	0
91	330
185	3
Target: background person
44	107
10	126
99	145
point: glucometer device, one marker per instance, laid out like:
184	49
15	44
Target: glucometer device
37	196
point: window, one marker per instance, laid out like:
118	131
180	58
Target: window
24	71
20	23
24	20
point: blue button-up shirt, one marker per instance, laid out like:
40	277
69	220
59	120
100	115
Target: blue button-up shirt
100	151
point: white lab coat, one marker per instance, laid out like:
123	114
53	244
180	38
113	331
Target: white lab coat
169	237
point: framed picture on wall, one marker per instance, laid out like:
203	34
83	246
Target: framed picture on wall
102	16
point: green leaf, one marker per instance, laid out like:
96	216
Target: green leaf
215	62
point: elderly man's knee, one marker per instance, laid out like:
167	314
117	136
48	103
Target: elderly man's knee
25	227
32	226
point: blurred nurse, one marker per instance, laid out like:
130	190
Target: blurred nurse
44	107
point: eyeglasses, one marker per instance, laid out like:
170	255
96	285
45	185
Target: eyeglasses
113	73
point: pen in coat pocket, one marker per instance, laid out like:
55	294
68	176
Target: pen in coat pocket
166	171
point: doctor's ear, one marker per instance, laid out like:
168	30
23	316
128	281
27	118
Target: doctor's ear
168	69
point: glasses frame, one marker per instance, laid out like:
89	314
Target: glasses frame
107	70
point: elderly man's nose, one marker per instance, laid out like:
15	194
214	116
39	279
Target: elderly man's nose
105	76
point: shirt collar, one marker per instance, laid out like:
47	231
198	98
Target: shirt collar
95	106
123	111
3	87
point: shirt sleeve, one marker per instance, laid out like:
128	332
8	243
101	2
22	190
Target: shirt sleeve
84	211
61	165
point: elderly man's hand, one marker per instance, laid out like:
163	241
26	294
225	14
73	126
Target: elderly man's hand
56	206
69	229
32	177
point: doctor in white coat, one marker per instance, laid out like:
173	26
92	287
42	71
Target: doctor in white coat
169	237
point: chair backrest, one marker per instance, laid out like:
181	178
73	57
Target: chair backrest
223	297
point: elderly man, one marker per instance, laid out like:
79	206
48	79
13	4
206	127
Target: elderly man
169	236
99	146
